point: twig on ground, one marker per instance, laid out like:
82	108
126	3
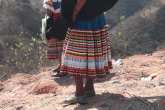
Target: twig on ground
3	76
141	100
128	107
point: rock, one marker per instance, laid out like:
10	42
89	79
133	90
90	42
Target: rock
153	75
19	107
104	91
157	84
149	64
150	54
118	62
116	81
1	87
162	56
103	105
146	79
160	83
46	86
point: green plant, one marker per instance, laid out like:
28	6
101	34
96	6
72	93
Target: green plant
11	41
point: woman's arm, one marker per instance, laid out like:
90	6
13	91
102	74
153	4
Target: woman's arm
49	12
79	5
77	8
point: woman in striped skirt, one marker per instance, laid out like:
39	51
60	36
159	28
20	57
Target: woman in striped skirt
55	46
86	54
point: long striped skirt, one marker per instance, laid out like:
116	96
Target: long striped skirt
86	50
54	49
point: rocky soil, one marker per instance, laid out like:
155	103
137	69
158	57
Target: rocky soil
123	89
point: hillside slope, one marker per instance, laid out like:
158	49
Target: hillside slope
144	32
20	28
16	17
123	7
42	92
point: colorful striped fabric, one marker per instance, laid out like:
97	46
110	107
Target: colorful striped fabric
54	50
48	4
86	51
53	5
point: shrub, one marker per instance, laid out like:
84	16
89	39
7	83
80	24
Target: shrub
1	52
10	41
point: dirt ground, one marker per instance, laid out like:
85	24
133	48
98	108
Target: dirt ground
123	89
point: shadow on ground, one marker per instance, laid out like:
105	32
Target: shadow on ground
66	80
109	101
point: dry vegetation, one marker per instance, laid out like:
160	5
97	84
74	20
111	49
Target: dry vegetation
140	33
21	49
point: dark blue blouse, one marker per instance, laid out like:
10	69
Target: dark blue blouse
56	5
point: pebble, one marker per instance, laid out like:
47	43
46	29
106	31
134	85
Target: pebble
159	83
19	107
116	81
